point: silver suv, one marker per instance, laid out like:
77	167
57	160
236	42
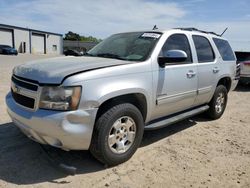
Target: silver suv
128	83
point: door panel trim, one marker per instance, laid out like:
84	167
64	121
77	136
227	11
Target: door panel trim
204	90
176	97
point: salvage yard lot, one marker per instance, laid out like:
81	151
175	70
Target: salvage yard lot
193	153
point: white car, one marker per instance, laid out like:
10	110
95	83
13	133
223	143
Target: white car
243	58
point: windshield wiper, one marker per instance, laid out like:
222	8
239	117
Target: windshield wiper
109	55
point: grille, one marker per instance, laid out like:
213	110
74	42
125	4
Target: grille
24	84
23	100
24	92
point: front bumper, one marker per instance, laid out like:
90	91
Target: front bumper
70	130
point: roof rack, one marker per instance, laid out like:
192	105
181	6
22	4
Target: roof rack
194	29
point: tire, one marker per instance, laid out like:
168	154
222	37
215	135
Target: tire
108	136
218	103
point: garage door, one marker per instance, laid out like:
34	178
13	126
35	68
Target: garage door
6	37
37	43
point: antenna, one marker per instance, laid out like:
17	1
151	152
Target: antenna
223	32
155	27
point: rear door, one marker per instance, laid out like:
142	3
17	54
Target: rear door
207	68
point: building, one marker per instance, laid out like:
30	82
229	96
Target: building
31	41
78	45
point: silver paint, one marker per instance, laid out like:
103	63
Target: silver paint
167	90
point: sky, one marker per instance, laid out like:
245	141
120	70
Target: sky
101	18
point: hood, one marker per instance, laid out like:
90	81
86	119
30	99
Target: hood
54	70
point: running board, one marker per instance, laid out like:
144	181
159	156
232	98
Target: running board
173	119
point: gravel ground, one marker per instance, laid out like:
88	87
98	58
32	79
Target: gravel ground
193	153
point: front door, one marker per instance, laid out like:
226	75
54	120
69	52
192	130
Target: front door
177	82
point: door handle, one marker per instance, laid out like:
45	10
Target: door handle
191	74
216	70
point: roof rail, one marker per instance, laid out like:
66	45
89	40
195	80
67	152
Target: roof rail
194	29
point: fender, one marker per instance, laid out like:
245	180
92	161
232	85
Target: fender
108	88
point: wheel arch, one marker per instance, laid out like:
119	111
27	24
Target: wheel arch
138	99
225	81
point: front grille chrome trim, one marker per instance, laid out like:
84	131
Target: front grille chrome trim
20	89
25	84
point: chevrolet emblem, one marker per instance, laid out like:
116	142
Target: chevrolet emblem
15	88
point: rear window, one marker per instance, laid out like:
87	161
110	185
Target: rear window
225	50
203	48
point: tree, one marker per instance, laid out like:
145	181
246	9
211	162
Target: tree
76	37
72	36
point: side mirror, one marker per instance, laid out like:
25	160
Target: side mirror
172	56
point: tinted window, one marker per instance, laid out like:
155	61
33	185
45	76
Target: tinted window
225	50
242	56
203	48
178	42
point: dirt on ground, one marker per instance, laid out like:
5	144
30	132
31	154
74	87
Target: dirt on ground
192	153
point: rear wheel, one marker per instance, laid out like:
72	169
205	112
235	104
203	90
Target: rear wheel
218	103
117	135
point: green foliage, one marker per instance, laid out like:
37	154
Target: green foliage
76	37
72	36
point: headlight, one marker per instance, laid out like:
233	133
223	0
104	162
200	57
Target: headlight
60	98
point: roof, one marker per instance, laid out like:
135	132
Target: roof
28	29
188	29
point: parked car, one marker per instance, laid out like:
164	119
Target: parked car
243	59
245	72
72	52
7	50
128	83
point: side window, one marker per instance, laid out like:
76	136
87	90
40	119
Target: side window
203	48
225	50
178	42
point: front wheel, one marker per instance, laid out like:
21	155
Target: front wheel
218	103
117	134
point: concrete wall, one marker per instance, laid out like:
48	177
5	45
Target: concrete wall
54	44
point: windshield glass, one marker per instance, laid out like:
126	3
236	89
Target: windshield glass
136	46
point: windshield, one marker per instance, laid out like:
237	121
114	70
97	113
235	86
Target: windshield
136	46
